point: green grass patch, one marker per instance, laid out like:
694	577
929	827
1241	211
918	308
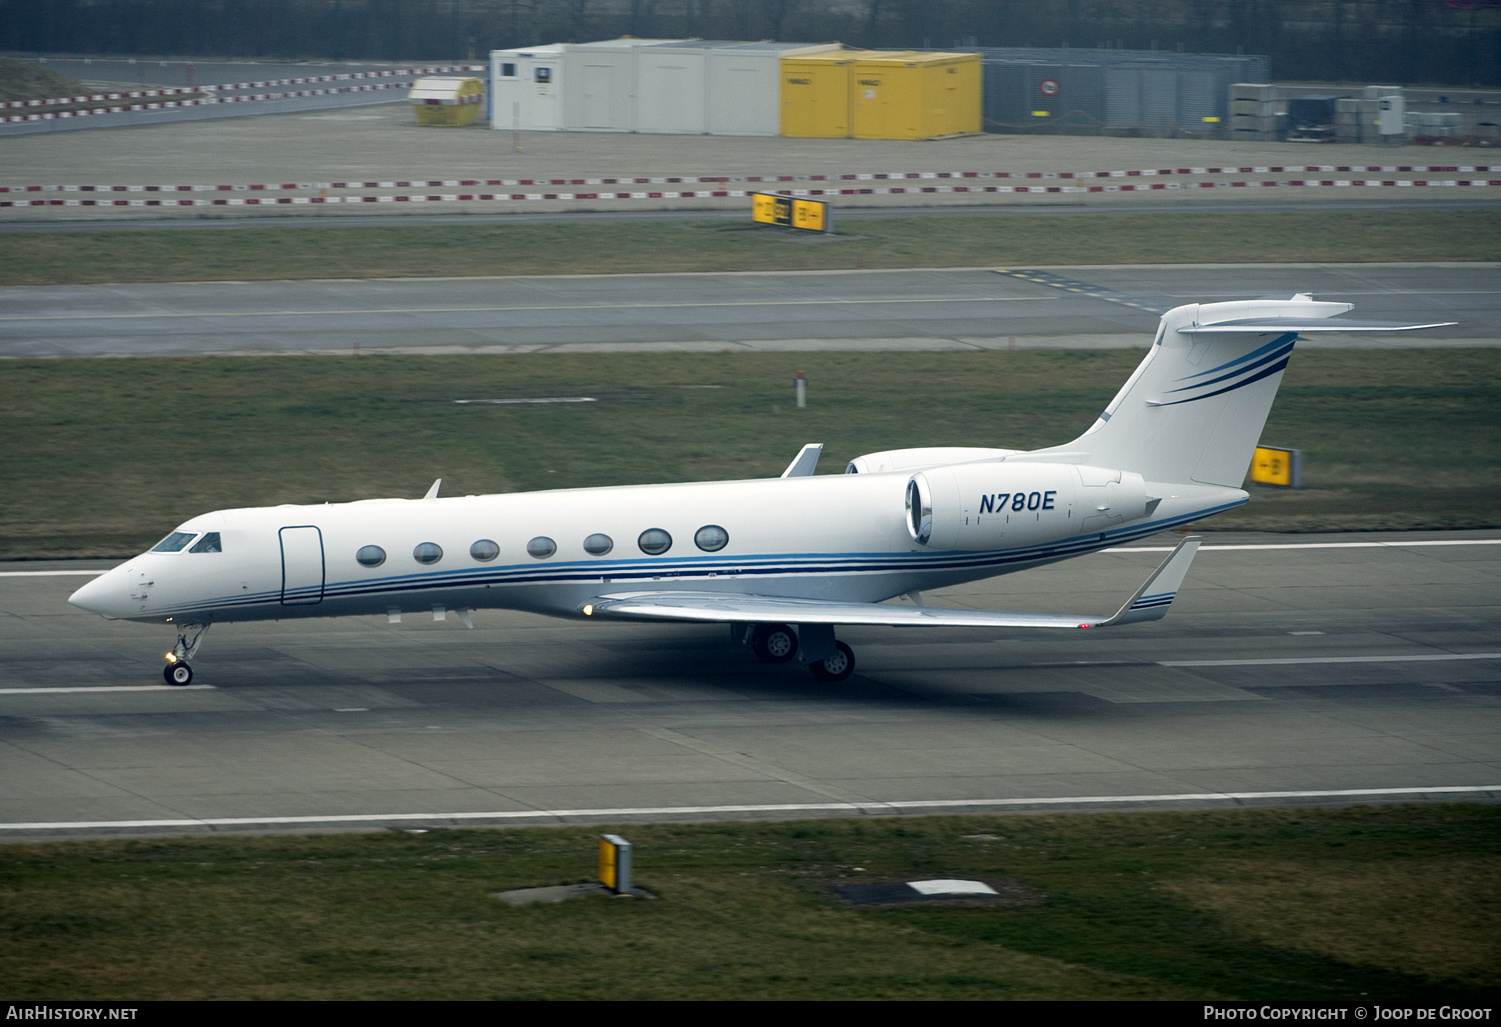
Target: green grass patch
27	80
103	457
1397	904
966	239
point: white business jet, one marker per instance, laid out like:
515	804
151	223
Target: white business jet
764	555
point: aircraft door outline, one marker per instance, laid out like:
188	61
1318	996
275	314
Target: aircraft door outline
302	565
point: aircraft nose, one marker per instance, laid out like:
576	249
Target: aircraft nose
102	596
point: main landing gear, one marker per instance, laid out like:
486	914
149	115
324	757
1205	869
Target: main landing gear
189	638
826	658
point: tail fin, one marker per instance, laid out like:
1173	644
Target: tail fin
1194	409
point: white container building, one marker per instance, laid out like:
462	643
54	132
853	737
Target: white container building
664	86
526	89
601	93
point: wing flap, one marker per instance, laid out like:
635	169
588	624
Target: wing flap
1150	602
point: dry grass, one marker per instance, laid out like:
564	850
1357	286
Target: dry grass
1441	919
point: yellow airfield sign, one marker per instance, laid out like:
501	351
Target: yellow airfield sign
791	212
1272	466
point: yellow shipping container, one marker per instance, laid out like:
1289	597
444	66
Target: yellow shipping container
447	102
816	95
914	95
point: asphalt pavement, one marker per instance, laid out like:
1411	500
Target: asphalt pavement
1323	669
956	309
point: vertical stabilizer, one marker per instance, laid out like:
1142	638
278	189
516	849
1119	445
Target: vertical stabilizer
1194	409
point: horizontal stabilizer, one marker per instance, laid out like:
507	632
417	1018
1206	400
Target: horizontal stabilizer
1150	602
1298	324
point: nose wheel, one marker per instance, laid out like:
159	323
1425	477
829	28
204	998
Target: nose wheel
189	638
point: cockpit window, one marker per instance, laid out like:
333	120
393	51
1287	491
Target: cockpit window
174	542
208	544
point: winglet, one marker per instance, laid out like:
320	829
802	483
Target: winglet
1154	597
432	493
805	461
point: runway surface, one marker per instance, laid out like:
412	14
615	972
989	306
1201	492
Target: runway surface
936	309
1335	668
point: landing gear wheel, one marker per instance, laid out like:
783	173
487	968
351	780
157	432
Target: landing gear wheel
774	643
178	674
837	667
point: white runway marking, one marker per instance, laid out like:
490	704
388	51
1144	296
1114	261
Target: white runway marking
1315	545
101	688
519	309
46	574
1330	659
790	807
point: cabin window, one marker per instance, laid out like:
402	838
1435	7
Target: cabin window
598	545
370	556
711	538
541	547
484	549
542	74
427	552
654	542
508	70
174	542
208	544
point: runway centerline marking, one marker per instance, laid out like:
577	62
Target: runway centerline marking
62	690
897	806
1314	545
1416	658
508	310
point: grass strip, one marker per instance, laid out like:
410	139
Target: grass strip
1392	905
103	457
966	239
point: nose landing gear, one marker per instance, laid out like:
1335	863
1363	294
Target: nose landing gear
177	671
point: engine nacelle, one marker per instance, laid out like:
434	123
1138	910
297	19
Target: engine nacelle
996	504
917	459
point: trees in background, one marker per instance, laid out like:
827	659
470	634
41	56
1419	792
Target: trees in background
1453	42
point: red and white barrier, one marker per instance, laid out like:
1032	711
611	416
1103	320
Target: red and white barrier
207	102
254	201
267	84
771	179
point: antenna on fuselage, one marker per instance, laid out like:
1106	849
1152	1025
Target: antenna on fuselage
432	493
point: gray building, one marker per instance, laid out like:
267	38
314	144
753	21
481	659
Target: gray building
1112	92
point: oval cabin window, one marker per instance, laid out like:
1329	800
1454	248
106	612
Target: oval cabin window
711	538
654	541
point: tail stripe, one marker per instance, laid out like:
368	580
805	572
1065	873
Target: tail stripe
1280	340
1284	351
1278	366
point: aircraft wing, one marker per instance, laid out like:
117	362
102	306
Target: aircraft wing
1150	602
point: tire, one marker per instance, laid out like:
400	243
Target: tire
178	674
837	667
774	643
